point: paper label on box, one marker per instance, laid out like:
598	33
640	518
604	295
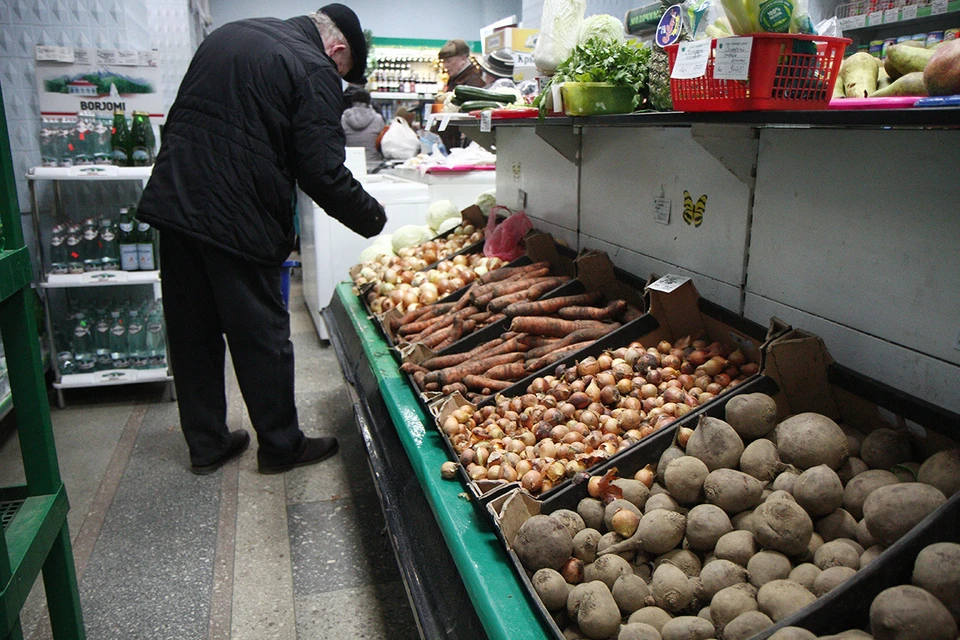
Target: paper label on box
875	18
857	22
938	6
84	56
486	120
107	56
732	59
891	15
128	58
662	207
48	53
668	283
908	12
692	60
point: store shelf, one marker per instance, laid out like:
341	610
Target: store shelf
99	279
15	272
400	95
917	16
89	172
111	378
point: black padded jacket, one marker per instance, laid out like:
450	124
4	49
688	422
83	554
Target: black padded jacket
257	113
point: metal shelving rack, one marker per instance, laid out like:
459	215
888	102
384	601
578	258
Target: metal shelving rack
34	516
88	173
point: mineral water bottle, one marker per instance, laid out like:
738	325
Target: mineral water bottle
141	136
119	356
146	247
136	340
102	340
120	139
66	363
58	249
156	342
74	257
84	352
127	241
109	245
90	246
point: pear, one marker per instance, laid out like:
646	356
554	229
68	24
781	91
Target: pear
883	79
860	75
910	84
902	60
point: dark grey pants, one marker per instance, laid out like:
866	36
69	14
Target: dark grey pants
209	294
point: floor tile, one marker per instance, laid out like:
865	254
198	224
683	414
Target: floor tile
373	611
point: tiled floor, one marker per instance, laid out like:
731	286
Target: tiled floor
163	554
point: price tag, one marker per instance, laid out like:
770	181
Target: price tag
486	120
692	60
444	122
732	59
84	56
669	282
875	18
938	7
47	53
128	58
662	208
891	15
908	12
858	22
107	56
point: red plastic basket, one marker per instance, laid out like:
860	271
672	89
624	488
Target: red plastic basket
786	72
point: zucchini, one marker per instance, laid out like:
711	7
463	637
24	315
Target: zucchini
463	93
479	105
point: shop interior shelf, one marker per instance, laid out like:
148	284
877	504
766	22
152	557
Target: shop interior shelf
15	271
99	279
89	172
109	378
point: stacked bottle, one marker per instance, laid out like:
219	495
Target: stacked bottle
104	245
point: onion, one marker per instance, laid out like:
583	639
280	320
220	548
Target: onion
645	475
532	481
605	361
736	358
588	366
683	436
593	486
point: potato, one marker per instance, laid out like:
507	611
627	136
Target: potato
653	616
633	490
850	634
607	569
752	415
836	554
863	485
851	468
743	521
782	598
869	554
745	625
616	505
853	543
572	632
585	545
782	526
732	491
863	536
792	633
661	530
661	501
937	569
542	542
838	524
669	455
786	480
591	510
883	448
706	523
638	631
598	615
570	519
719	575
818	490
685	560
715	443
810	439
737	547
768	566
815	543
573	599
906	612
684	479
761	460
942	470
830	579
688	628
731	602
670	588
893	510
631	593
610	539
551	588
806	574
906	471
705	614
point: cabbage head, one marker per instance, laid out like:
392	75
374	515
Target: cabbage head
448	225
486	201
439	211
410	235
374	250
603	27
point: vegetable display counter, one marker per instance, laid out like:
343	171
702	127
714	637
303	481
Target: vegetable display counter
458	577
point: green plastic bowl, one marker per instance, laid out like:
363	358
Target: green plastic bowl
595	98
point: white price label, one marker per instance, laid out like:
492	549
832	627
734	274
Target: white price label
891	15
858	22
486	120
128	58
662	208
938	7
692	60
84	56
875	18
669	282
444	122
732	59
48	53
107	56
908	12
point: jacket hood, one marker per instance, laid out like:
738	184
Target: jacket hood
359	117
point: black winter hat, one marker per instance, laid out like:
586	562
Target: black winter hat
349	25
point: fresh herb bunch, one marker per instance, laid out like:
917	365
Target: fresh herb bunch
598	60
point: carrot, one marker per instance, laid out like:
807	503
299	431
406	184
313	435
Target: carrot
481	317
531	292
506	335
431	386
535	342
455	331
410	367
590	333
506	272
466	328
411	316
553	327
442	323
513	345
509	371
418	378
612	310
552	305
432	312
452	360
555	356
455	374
512	286
484	384
450	389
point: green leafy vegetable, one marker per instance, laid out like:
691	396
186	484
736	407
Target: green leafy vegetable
597	60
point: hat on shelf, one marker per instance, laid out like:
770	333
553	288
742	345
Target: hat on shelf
453	48
349	25
497	63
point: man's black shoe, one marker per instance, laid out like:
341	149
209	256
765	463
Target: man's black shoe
315	450
239	441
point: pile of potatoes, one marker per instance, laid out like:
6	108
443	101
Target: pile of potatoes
748	522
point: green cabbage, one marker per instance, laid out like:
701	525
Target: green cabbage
603	27
487	200
439	211
410	235
448	225
374	250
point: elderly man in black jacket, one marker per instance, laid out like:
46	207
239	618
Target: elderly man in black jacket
257	113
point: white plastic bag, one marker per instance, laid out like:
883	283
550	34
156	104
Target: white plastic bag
559	31
400	142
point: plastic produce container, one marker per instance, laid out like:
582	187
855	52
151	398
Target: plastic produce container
596	98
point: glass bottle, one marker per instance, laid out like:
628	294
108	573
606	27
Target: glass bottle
146	246
109	245
140	140
58	249
90	246
156	340
74	257
127	241
84	352
119	355
120	139
136	340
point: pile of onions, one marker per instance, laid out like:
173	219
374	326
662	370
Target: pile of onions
386	268
585	413
408	290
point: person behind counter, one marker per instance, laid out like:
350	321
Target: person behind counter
496	65
461	71
362	125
